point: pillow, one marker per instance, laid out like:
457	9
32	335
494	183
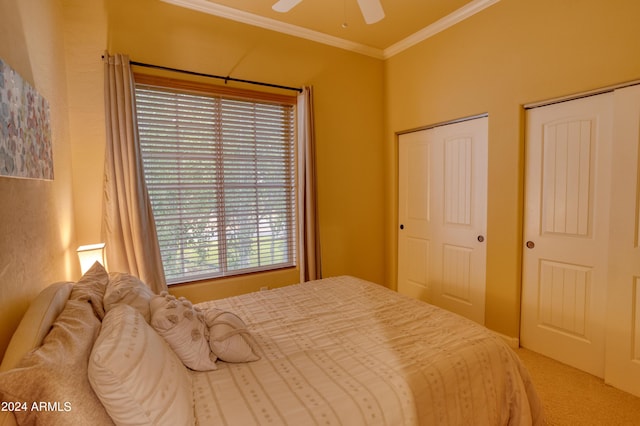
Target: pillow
36	323
136	375
182	326
56	374
128	289
228	337
91	288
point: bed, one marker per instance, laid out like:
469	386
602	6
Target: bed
337	351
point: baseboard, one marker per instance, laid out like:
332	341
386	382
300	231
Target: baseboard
512	342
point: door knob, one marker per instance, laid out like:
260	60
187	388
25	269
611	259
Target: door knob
480	238
530	244
401	226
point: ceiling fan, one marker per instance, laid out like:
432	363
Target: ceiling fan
371	9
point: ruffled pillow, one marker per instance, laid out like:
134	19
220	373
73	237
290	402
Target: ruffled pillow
182	326
91	288
229	338
127	289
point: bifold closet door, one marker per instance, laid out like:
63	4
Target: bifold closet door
442	216
566	227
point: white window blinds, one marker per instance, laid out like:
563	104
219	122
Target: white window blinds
221	177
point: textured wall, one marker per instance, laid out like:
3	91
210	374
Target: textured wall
37	244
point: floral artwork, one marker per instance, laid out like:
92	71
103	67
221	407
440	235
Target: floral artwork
25	131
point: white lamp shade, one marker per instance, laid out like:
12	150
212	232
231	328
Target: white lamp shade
89	255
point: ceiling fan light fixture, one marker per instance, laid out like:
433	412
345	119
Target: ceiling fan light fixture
284	6
371	10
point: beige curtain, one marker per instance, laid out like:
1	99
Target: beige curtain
310	262
128	227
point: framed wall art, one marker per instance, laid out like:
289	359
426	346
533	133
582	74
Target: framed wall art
25	132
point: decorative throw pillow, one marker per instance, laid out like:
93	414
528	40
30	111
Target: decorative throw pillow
183	327
138	378
128	289
55	374
91	287
229	338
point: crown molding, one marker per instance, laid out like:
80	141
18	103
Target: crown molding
271	24
440	25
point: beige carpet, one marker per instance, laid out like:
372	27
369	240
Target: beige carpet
572	397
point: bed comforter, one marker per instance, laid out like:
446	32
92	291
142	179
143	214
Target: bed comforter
343	351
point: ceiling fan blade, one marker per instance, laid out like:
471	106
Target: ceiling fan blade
285	5
371	10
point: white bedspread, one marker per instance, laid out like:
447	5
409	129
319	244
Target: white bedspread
343	351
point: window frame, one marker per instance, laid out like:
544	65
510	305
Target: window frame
211	90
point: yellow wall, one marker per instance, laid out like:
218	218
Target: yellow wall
37	242
85	33
513	53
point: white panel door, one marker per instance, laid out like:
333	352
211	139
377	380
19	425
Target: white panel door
414	213
460	204
567	181
622	365
442	213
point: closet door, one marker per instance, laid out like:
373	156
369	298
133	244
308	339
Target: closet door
622	366
442	213
414	211
566	226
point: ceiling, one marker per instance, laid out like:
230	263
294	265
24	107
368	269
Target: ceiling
406	22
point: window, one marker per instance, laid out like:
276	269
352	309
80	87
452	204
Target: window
220	170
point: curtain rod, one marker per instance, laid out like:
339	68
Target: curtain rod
226	79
